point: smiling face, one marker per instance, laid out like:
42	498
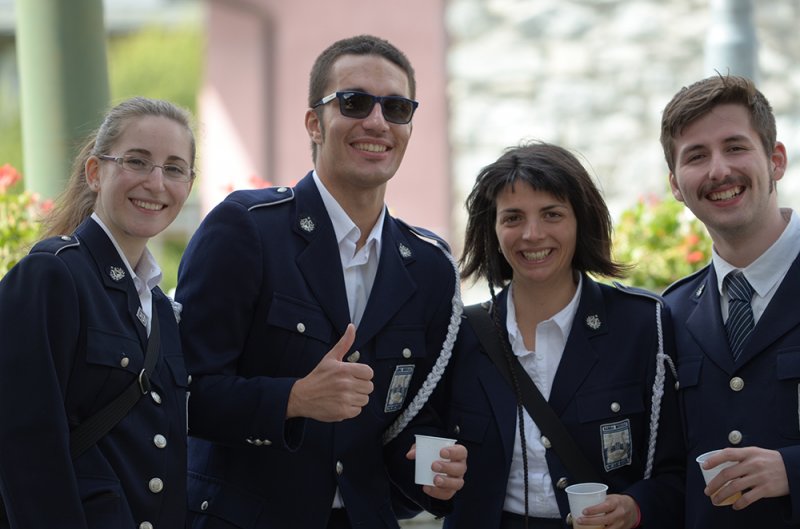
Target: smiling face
135	206
537	233
354	155
726	179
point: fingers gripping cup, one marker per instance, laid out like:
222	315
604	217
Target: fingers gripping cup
428	449
583	495
709	474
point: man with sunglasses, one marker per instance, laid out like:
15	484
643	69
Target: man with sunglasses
311	319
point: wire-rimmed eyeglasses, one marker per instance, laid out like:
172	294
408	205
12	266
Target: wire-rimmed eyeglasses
177	172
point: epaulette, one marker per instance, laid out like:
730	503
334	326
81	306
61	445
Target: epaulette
54	245
636	291
426	235
269	196
686	279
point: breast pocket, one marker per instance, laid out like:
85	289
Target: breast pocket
299	318
466	426
112	361
618	415
109	349
301	331
788	373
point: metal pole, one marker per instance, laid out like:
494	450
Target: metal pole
64	85
731	44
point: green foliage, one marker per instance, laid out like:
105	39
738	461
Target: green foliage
11	144
19	214
159	62
168	250
662	240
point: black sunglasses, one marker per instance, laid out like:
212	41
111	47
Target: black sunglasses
359	105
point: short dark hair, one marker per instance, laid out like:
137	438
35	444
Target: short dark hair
697	100
548	168
358	45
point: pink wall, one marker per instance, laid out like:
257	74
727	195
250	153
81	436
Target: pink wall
254	98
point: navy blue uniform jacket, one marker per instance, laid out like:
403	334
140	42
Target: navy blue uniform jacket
264	300
71	342
614	363
753	402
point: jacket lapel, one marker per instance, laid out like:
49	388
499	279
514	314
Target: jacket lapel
393	284
112	270
777	319
499	391
588	327
705	323
319	261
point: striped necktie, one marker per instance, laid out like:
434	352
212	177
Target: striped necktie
740	314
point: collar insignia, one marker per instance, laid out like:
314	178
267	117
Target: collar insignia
699	291
116	273
142	316
404	251
307	224
593	322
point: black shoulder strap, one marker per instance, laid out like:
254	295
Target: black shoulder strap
538	408
85	435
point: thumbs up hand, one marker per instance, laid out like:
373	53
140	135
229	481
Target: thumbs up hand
334	390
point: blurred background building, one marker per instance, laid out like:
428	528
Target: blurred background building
591	75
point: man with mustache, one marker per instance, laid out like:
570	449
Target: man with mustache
737	337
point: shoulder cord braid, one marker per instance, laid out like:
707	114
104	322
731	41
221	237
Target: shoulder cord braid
441	363
658	392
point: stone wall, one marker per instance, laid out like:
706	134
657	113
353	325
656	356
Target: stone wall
594	76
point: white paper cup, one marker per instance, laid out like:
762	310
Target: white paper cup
583	495
428	449
711	473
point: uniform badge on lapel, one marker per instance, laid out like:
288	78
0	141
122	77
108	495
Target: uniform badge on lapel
398	389
307	224
141	316
116	273
617	444
593	322
405	252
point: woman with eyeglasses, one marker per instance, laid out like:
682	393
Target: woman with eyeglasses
93	388
539	229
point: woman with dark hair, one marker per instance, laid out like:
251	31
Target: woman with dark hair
599	354
93	388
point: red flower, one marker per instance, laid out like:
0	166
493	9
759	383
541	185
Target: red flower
694	257
8	177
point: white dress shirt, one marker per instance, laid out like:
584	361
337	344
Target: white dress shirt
359	266
541	366
766	273
146	276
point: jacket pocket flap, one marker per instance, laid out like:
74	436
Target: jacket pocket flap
300	317
604	403
406	341
212	497
113	350
689	371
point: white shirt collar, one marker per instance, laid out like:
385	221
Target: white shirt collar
562	319
771	266
343	226
147	273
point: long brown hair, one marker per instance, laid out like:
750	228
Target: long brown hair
77	200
